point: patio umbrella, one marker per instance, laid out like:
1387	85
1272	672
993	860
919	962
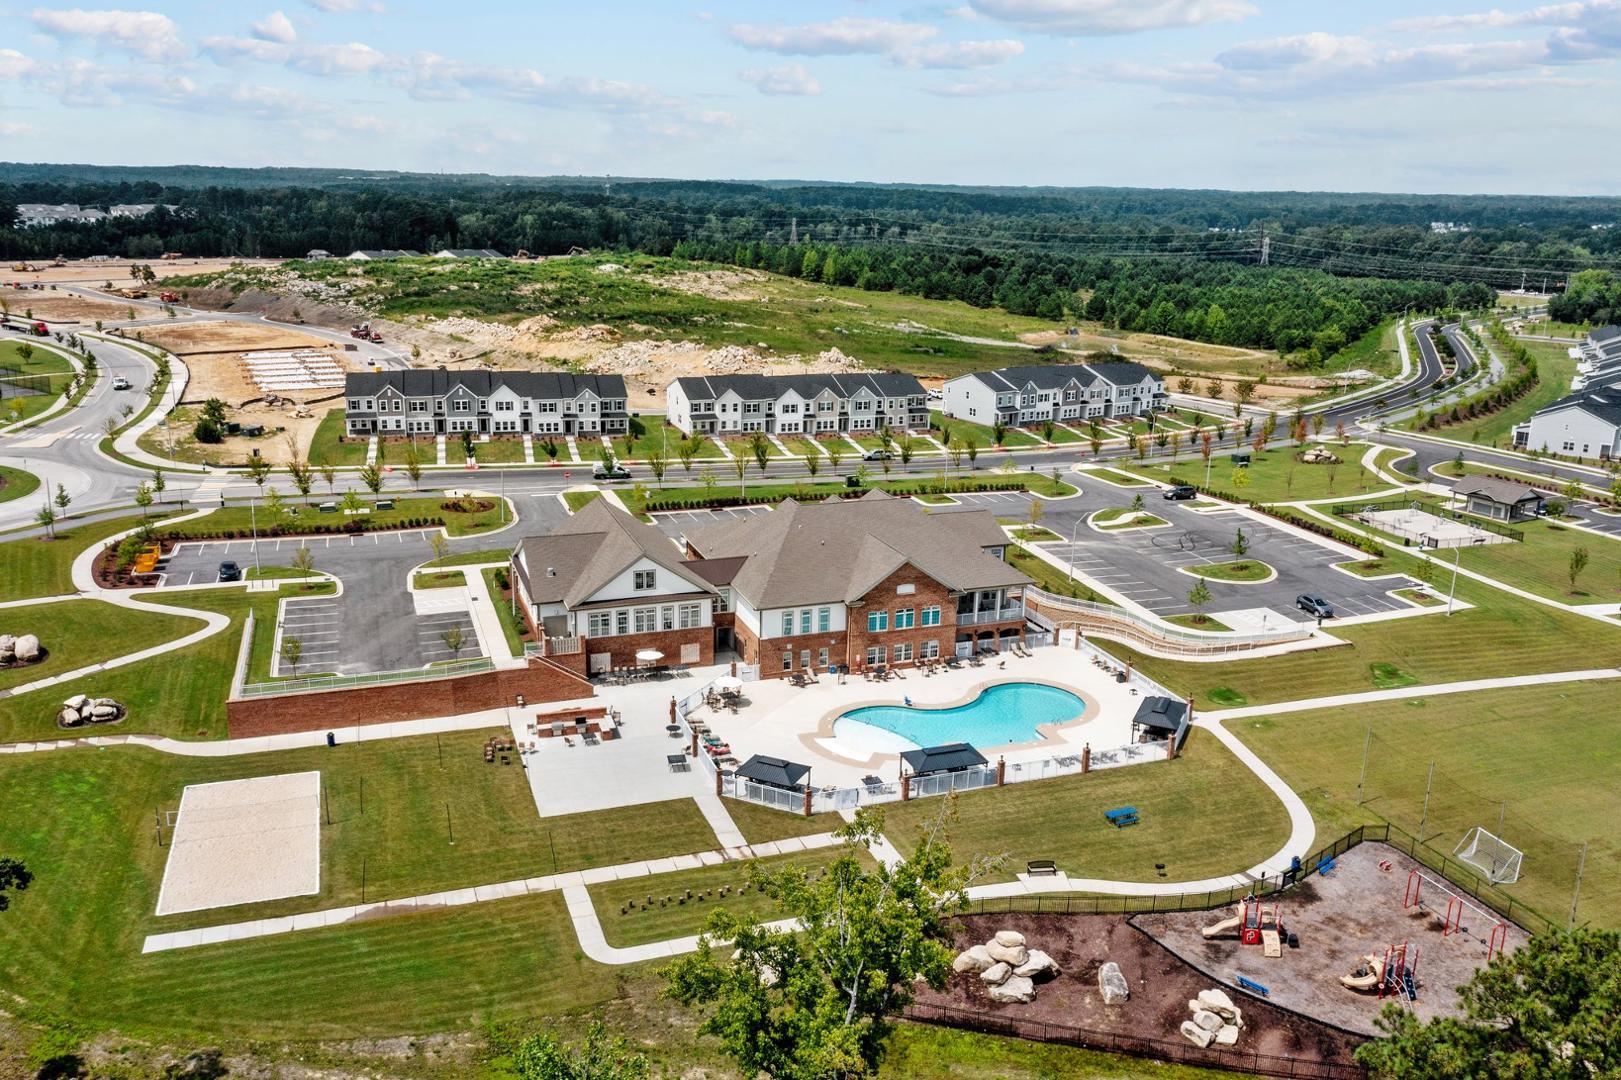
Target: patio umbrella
728	682
648	656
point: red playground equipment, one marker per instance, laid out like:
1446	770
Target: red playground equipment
1399	976
1255	916
1453	921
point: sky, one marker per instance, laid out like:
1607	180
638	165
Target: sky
1413	96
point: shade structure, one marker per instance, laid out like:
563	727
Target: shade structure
728	682
649	655
774	772
952	757
1160	713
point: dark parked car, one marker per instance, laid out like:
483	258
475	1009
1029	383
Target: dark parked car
1180	492
1314	605
610	472
229	571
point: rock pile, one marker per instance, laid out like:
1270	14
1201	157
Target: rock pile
1007	966
16	651
1319	455
79	710
1112	984
1216	1020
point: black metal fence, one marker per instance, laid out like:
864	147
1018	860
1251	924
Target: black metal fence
13	383
1180	1052
1446	513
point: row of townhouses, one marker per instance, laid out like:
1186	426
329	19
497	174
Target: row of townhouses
1587	422
861	583
1033	394
424	402
41	214
796	404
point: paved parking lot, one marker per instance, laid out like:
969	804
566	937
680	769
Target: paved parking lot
318	625
675	522
432	631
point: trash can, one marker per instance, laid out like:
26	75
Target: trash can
331	739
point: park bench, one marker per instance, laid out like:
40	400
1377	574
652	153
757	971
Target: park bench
1252	986
1325	866
1041	868
1121	816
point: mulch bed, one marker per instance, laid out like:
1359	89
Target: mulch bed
1160	982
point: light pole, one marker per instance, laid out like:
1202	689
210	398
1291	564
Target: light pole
253	527
1457	553
1074	531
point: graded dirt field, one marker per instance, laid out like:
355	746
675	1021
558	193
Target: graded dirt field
1355	911
62	307
88	272
1161	985
201	337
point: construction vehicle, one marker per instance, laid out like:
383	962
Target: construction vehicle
39	329
131	294
361	331
375	337
169	297
23	268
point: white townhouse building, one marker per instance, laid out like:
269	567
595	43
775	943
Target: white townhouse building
1022	396
1584	424
417	402
797	404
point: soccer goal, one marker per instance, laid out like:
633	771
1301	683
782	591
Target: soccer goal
1499	861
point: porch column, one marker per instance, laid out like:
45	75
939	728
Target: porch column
807	800
1086	758
906	788
1001	772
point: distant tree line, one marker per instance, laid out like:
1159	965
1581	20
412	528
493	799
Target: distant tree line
1593	296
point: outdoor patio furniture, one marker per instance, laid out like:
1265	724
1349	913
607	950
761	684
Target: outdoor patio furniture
590	738
567	741
674	730
1041	868
678	762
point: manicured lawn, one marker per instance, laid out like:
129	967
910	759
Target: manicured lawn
769	491
577	500
1276	476
1555	369
44	362
469	558
663	438
440	579
494	452
328	447
1541	758
1420	597
1051	579
1117	478
36	566
672	913
1063	819
79	633
296	518
1035	534
626	834
84	827
917	1050
962	430
15	483
1197	622
1541	563
1120	518
761	823
513	627
1503	635
1371	568
1239	570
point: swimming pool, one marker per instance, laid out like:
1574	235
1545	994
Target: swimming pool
1001	714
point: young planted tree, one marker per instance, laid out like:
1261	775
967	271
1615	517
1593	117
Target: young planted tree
467	446
46	516
304	560
159	483
656	464
292	650
906	447
1215	389
1175	443
973	452
372	477
836	447
455	641
998	431
438	545
760	447
1048	429
740	466
1243	394
813	463
259	472
1241	544
413	466
707	479
1198	597
1037	509
352	502
1578	563
1137	503
63	501
686	451
143	497
330	476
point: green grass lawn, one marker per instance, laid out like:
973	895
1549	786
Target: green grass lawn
297	518
15	483
1050	578
1035	534
673	914
1371	568
1198	622
663	438
1117	478
79	633
328	447
43	362
1276	476
1238	570
494	452
1121	518
36	566
577	500
640	498
761	823
1555	369
439	579
513	628
1541	563
1063	819
470	558
962	430
1541	759
1503	635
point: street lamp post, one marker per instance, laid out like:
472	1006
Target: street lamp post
253	527
1074	531
1457	553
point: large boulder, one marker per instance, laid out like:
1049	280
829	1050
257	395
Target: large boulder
76	702
28	649
1112	984
1010	939
1011	955
1016	989
972	960
68	717
1209	1021
8	648
103	713
1227	1035
996	974
1219	1003
1196	1035
1038	966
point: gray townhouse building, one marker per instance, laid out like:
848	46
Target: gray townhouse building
797	404
417	402
1022	396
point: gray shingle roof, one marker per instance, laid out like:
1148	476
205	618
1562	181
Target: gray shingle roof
777	772
1602	401
1161	713
1507	492
948	758
770	387
835	551
426	382
572	562
1056	376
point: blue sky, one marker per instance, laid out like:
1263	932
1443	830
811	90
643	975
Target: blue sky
1427	95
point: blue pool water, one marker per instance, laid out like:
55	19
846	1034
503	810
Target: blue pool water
1007	713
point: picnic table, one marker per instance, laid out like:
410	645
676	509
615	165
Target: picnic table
1121	816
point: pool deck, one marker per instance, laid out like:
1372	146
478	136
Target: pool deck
796	723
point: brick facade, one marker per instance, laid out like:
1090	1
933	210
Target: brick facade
537	682
623	647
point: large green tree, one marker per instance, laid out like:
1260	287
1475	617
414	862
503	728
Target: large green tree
818	1001
599	1057
1547	1011
14	877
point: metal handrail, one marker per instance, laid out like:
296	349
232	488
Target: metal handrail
1163	633
376	678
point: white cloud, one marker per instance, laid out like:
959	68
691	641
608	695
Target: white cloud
1098	18
11	127
146	34
788	80
312	58
335	6
959	54
837	37
275	27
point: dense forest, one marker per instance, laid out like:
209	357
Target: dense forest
1593	296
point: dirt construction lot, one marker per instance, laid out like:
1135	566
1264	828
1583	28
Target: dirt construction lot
1356	910
213	351
1161	985
85	272
62	307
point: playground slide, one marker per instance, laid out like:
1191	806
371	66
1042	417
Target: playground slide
1366	976
1226	926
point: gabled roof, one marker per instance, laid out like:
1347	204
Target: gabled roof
936	759
774	771
836	551
1057	376
807	386
1603	334
1601	400
1507	492
431	382
1161	713
468	253
574	561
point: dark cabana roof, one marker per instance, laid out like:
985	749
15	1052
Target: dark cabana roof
773	771
1161	713
948	758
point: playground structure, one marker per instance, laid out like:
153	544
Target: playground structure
1453	921
1393	975
1254	923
